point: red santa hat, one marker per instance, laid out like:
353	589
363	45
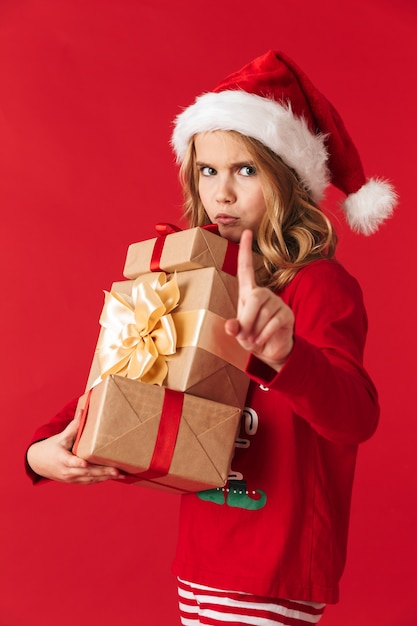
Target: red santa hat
272	100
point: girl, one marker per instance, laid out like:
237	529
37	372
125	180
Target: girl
257	154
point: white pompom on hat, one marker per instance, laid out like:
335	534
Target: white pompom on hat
272	100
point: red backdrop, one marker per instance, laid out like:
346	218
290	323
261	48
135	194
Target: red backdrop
88	92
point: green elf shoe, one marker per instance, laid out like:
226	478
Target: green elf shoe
238	496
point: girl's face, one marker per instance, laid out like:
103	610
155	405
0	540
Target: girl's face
229	185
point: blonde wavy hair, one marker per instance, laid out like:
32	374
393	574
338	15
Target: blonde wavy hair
293	231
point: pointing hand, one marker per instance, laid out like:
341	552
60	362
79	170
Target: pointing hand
264	324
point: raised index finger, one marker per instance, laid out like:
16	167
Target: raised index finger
245	271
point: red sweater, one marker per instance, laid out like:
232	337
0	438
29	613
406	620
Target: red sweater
281	528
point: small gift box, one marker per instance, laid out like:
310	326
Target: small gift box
181	250
162	438
170	331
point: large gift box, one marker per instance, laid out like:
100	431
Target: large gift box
181	250
161	438
169	330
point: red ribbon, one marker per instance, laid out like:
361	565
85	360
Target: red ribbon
166	437
230	259
162	230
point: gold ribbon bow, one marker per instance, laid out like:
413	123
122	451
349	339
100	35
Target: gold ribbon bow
138	331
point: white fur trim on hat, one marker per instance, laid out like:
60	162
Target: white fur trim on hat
268	121
368	207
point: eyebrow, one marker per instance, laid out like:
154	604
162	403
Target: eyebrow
232	165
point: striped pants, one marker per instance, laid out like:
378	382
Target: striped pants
214	607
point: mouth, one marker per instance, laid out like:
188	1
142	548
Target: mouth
226	220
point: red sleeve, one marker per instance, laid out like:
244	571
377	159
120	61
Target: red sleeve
55	426
323	378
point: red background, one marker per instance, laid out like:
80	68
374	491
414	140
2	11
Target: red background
88	92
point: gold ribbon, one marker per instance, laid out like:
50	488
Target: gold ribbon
138	332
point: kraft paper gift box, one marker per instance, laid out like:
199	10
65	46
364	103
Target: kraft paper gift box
203	361
162	438
181	250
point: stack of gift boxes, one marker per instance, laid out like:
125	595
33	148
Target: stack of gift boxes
167	385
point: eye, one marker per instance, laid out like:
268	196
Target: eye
205	170
247	170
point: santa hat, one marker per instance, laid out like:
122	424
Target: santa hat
272	100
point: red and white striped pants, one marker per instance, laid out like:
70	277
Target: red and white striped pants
215	607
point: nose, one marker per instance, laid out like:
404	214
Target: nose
225	191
